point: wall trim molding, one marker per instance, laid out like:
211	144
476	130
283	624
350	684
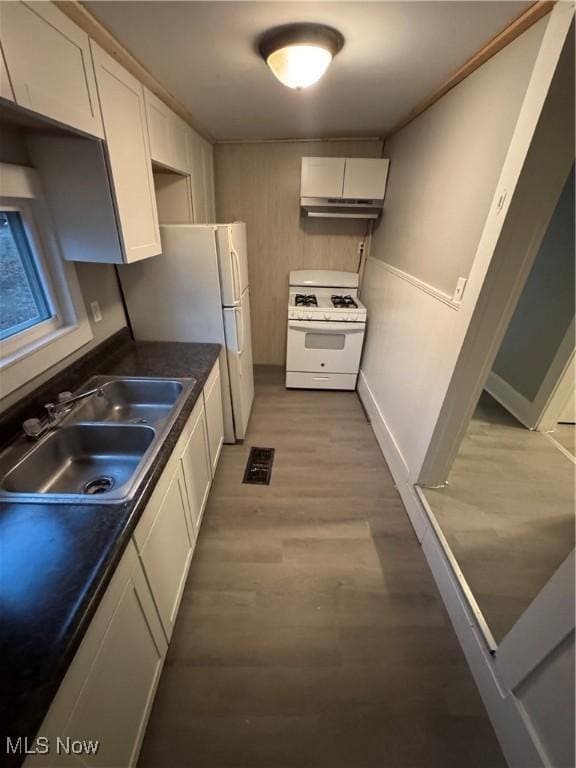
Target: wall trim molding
527	18
417	283
298	140
94	28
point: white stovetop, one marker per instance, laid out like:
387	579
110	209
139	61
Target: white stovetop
325	309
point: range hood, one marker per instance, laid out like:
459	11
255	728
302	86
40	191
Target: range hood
340	208
343	187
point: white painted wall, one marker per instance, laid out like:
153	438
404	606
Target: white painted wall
540	338
97	281
445	166
437	201
422	370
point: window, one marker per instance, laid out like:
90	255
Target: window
42	315
24	301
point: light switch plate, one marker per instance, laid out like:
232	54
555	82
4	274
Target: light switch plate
459	290
96	313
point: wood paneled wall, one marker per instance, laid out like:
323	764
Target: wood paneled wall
260	184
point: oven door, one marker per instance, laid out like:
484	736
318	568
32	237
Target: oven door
323	346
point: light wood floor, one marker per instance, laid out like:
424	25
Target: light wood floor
565	434
311	634
507	512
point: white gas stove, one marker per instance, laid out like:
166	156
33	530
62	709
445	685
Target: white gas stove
326	324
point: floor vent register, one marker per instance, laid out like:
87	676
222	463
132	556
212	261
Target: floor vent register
259	467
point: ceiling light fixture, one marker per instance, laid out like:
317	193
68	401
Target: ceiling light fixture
299	54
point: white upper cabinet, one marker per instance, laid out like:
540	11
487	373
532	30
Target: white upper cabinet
208	163
179	132
167	134
49	63
322	176
365	178
196	170
344	177
126	132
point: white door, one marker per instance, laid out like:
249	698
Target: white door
239	346
126	129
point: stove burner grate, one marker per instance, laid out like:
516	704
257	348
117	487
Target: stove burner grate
344	302
305	300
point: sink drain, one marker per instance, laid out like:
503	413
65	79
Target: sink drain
100	484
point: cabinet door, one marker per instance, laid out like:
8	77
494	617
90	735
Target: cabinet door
365	177
196	465
322	176
167	552
109	688
159	129
179	134
124	115
196	170
214	419
50	66
208	162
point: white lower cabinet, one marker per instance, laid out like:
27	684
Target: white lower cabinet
107	693
172	533
214	417
196	465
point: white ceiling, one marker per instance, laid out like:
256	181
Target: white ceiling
395	54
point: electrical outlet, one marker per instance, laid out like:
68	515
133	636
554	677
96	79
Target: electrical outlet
459	290
96	313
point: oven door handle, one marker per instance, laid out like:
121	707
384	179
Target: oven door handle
326	326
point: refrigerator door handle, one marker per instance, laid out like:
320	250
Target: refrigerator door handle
237	312
235	275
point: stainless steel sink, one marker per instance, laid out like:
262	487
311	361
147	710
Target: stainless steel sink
82	459
101	449
130	400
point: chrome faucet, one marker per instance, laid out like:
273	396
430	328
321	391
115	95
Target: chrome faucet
56	411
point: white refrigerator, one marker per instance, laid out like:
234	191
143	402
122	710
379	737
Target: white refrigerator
197	290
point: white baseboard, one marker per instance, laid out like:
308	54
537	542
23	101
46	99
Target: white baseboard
517	738
509	398
392	454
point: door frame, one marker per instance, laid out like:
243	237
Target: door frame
539	159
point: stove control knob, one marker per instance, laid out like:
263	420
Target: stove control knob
309	316
326	315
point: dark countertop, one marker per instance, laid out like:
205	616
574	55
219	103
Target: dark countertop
56	559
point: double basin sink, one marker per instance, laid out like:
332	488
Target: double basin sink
101	448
